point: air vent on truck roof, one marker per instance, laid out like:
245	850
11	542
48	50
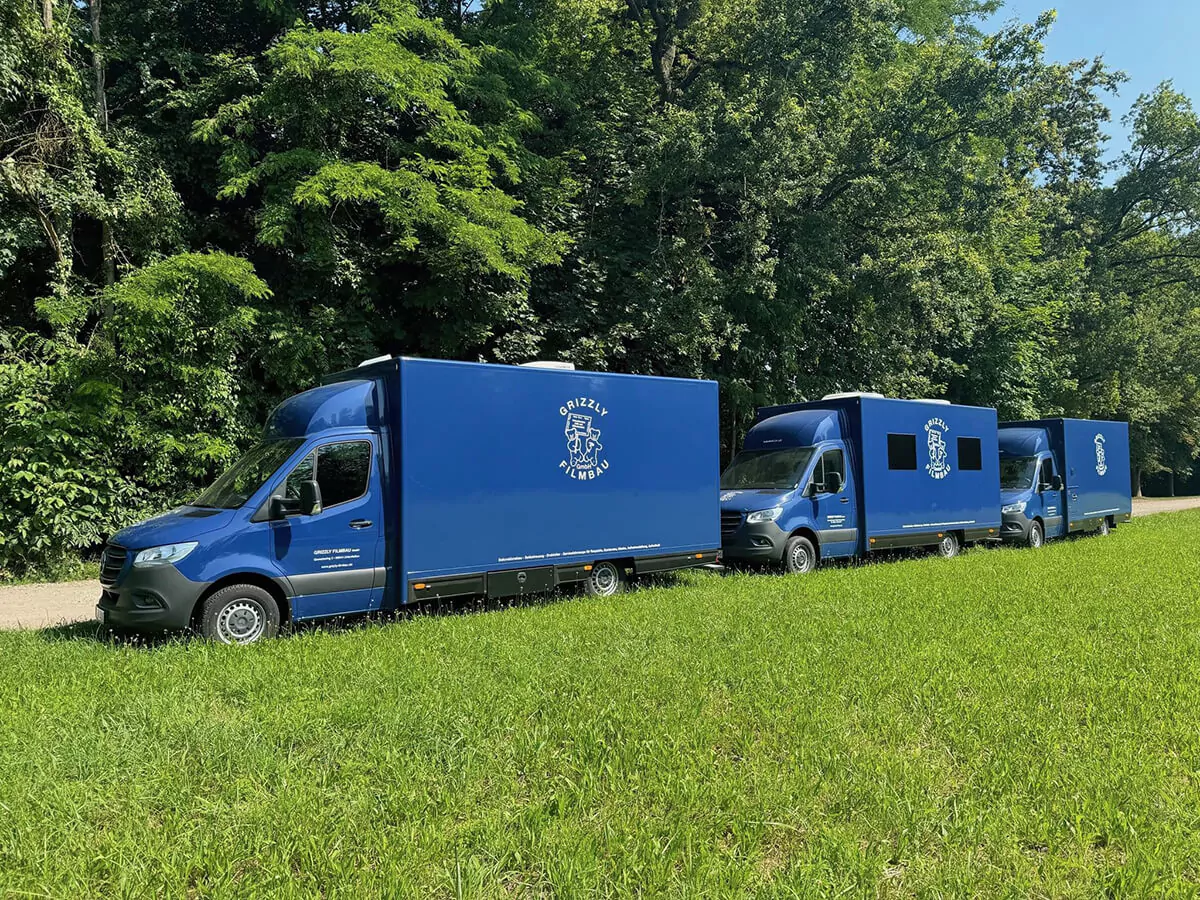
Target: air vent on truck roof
928	400
848	394
549	364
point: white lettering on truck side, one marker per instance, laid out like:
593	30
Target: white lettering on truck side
584	461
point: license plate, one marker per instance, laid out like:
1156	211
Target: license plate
101	614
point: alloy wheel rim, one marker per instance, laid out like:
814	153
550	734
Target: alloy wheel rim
241	622
800	559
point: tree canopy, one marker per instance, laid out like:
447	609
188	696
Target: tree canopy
206	206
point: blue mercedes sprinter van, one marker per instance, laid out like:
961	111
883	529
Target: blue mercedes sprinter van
1060	476
855	473
412	479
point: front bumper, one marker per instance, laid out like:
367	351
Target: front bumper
762	541
156	598
1014	528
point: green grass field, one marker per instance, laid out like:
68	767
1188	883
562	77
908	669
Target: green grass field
1008	723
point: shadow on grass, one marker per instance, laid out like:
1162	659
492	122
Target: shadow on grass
886	557
94	633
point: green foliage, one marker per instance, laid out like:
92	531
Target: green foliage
413	190
60	486
97	433
1006	723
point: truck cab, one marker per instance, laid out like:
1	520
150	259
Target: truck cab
790	491
293	531
1033	507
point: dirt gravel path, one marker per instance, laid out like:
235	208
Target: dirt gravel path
41	605
1150	505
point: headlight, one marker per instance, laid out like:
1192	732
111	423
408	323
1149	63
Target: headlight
1018	507
764	515
161	556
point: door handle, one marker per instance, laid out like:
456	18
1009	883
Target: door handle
844	500
361	523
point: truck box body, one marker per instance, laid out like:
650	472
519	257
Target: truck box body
409	479
914	471
1090	457
496	473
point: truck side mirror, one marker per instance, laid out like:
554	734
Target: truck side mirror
310	498
1056	483
814	488
833	482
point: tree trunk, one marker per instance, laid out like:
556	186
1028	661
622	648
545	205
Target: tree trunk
1137	480
107	247
1171	483
98	66
48	14
669	23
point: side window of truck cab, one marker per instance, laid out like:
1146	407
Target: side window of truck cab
1045	474
341	470
303	472
832	463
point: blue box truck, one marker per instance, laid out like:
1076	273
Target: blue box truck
408	479
855	473
1060	476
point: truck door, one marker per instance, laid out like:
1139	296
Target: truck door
333	558
834	511
1053	501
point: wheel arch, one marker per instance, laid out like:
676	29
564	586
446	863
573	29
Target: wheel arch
806	531
267	583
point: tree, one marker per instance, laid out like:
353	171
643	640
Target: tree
376	195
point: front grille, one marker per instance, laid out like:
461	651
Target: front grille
730	522
112	561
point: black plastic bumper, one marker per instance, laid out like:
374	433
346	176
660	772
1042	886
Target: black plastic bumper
762	541
156	598
1015	528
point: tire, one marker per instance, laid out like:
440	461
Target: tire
239	614
1037	536
799	556
948	546
1104	528
605	579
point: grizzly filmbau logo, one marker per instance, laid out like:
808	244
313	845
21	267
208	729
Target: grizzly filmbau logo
939	454
584	461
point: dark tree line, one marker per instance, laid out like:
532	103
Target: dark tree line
205	206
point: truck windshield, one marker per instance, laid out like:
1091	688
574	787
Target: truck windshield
767	470
238	485
1016	472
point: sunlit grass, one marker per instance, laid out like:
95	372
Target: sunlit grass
1010	722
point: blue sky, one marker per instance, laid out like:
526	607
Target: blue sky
1150	40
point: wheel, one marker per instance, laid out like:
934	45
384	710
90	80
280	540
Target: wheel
239	614
799	556
1104	528
605	579
1037	536
948	545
